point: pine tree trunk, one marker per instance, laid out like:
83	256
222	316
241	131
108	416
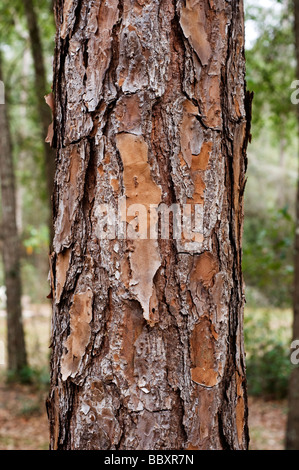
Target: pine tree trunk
16	352
147	334
292	435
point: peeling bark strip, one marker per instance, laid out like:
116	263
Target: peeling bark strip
150	108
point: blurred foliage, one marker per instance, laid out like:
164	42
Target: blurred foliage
271	70
32	208
270	199
37	376
268	257
36	240
273	162
267	341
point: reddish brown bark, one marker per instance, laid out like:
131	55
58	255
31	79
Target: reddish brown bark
147	335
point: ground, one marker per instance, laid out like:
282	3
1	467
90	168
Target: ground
23	418
267	424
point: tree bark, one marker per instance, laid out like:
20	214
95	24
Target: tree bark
292	434
16	351
147	334
43	109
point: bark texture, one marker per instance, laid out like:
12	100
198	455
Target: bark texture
150	106
16	352
292	435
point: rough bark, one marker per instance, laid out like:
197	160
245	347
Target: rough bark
150	106
292	435
44	112
16	352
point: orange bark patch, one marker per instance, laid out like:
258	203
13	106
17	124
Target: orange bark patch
206	404
213	102
76	343
190	108
142	190
203	376
193	22
237	107
49	99
50	102
139	185
121	81
204	269
101	170
50	134
145	261
240	409
201	161
115	184
202	342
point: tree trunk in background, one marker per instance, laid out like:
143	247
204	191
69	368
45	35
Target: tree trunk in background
292	437
147	335
41	88
16	351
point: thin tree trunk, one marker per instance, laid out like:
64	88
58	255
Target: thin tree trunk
147	334
281	199
292	435
41	89
16	351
